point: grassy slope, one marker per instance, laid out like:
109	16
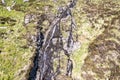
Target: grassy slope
14	58
87	35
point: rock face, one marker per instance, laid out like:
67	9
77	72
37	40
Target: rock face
44	68
103	60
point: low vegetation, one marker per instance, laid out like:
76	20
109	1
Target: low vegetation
16	55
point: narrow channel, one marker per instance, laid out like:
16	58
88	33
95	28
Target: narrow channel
39	42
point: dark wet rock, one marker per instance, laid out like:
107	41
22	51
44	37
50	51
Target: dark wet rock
34	69
0	51
32	75
43	68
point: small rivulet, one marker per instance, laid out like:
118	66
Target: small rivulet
69	67
53	44
103	59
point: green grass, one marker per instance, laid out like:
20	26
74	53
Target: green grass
78	58
14	57
15	60
11	57
86	35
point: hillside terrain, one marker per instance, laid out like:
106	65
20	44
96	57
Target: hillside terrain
95	52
